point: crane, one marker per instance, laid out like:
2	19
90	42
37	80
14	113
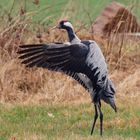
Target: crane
82	60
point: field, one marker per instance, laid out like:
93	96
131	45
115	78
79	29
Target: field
67	122
37	104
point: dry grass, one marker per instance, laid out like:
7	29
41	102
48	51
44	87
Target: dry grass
21	85
26	86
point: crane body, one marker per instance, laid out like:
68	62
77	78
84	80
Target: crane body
82	60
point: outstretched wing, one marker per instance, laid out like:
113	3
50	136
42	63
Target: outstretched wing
57	57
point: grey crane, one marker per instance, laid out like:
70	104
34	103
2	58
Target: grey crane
82	60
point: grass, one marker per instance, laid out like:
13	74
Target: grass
47	12
35	96
66	122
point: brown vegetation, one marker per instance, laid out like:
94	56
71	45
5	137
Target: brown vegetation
115	18
21	85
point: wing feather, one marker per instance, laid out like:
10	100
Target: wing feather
56	57
52	56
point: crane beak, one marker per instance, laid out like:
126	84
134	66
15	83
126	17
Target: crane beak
55	27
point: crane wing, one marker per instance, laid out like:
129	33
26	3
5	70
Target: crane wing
56	57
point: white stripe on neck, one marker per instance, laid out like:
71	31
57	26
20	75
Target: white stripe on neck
75	40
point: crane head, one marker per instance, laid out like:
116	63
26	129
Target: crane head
64	24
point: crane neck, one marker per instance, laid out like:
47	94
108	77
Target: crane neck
72	36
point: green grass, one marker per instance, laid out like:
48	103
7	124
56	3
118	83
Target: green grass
66	122
48	11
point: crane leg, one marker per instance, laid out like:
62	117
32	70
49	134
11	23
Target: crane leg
95	118
101	118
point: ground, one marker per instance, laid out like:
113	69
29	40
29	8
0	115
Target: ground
38	104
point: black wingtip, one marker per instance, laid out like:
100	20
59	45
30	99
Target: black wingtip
18	52
115	108
30	45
